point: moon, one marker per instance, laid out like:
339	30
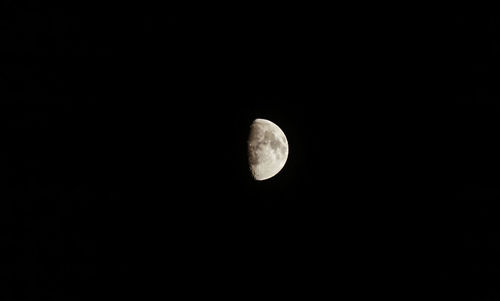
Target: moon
267	149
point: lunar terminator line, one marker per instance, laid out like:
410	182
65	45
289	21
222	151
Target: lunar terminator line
267	149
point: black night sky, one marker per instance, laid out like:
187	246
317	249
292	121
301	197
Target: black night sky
124	163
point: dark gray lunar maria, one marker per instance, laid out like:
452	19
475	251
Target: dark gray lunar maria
267	149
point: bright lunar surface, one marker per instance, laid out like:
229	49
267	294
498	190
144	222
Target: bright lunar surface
267	149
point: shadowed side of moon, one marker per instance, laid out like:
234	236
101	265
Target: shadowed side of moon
267	149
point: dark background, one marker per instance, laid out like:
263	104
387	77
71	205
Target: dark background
124	152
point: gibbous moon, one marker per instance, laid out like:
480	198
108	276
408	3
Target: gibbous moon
267	149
